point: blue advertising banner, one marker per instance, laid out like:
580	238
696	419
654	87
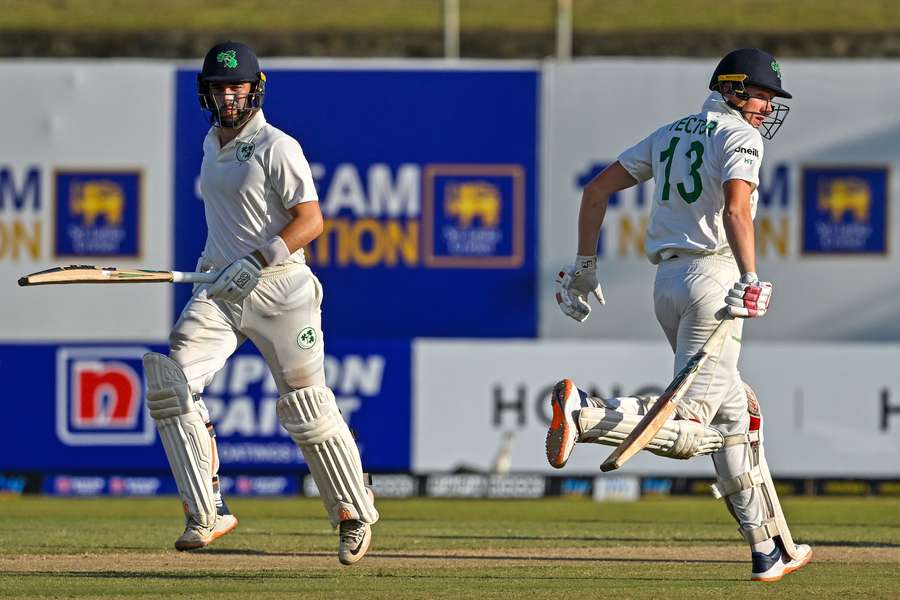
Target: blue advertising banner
79	409
845	210
97	213
427	181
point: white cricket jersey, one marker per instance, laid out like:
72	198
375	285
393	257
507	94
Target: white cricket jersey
247	187
689	160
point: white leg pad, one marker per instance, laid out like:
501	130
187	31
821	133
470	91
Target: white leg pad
677	439
316	425
185	437
773	524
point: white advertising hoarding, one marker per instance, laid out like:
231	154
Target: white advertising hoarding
828	409
85	178
824	220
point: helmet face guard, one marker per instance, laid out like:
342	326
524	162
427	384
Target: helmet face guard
736	84
218	105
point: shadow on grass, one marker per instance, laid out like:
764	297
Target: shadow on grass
255	577
489	557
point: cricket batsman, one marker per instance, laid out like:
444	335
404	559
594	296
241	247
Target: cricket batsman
701	237
261	209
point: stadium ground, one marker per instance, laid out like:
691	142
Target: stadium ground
283	548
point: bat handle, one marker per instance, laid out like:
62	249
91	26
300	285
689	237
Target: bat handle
191	277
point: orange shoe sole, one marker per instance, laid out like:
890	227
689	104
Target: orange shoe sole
559	427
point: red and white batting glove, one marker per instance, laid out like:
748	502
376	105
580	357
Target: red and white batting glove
749	297
575	283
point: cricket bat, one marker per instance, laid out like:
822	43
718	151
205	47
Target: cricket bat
667	402
92	274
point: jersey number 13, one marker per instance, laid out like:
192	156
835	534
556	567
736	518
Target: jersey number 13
694	153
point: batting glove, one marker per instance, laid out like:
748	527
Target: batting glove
749	297
236	281
575	283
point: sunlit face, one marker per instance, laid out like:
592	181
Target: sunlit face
231	99
758	107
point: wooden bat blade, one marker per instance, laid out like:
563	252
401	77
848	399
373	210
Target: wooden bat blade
653	421
658	414
92	274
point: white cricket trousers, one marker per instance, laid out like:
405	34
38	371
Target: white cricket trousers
688	292
281	316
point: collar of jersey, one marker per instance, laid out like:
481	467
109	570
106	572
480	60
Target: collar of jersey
716	103
249	131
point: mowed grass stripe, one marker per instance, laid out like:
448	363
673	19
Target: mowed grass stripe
673	548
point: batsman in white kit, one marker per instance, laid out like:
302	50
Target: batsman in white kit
701	237
261	209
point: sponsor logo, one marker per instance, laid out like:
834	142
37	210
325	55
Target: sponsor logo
750	151
65	485
242	279
456	486
845	210
516	486
99	397
134	486
474	215
572	486
620	489
98	213
244	485
395	486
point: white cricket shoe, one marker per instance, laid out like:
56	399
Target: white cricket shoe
563	433
197	536
776	564
355	539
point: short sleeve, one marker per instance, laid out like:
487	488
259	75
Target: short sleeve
638	160
290	175
743	154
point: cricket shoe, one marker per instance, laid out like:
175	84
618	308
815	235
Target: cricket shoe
776	564
197	536
565	400
355	537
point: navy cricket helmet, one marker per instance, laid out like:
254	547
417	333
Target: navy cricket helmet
750	66
231	62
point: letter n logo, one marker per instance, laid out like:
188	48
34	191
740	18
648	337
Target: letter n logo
99	397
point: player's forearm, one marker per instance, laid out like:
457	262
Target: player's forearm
301	231
738	223
295	235
741	238
594	201
590	219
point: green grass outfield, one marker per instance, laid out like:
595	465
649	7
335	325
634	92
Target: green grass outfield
284	548
769	16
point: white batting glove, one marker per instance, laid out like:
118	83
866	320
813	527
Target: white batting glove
749	297
575	283
237	281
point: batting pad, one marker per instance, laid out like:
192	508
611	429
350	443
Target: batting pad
774	524
182	429
312	418
754	483
676	439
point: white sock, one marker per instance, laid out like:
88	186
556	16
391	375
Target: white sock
765	546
